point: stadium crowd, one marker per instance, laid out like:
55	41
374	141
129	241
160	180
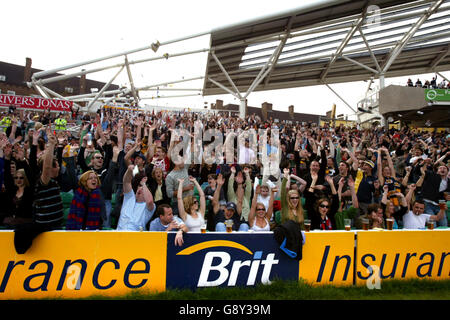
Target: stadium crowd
137	171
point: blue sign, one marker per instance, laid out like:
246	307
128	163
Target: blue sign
227	260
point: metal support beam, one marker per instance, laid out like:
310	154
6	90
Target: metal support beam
118	65
100	93
150	47
342	99
377	65
226	75
439	58
49	91
173	96
167	83
283	43
442	76
130	77
359	64
242	107
341	47
368	87
41	91
269	66
404	41
225	88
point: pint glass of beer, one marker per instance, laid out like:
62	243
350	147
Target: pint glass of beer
229	225
430	224
307	225
203	227
347	224
390	223
365	224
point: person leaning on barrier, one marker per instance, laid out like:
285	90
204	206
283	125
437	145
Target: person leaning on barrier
47	204
166	221
417	219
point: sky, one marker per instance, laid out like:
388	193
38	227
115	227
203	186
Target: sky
60	33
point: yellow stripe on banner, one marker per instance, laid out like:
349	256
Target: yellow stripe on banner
213	243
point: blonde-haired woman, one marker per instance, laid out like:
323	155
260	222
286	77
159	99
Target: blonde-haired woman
190	210
291	205
88	205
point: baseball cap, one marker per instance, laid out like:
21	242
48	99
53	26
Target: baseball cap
232	205
140	155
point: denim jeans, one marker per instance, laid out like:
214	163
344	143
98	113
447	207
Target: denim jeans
108	207
220	227
433	209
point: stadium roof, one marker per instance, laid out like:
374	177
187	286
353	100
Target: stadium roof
329	42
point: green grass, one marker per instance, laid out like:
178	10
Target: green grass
292	290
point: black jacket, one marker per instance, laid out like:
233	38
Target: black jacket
289	236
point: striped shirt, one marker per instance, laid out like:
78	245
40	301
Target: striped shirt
48	206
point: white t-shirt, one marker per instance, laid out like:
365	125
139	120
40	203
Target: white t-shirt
246	155
134	215
413	221
194	224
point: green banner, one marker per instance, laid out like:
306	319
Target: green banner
437	94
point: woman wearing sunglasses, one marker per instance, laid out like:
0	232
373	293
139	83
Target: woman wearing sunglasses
190	210
291	205
323	213
259	217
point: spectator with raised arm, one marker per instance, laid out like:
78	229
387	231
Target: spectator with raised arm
190	210
138	207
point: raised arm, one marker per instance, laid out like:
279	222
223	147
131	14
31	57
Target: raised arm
127	177
252	214
47	166
216	196
303	183
201	194
230	190
351	185
412	188
269	212
181	211
148	197
379	166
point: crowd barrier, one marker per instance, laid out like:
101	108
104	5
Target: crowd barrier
74	264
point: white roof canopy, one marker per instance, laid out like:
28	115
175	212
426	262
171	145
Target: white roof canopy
318	43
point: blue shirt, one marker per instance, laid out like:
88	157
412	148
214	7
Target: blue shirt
156	224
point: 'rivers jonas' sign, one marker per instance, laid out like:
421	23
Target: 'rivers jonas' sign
7	100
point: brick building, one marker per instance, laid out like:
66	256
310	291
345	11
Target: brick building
265	112
14	78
